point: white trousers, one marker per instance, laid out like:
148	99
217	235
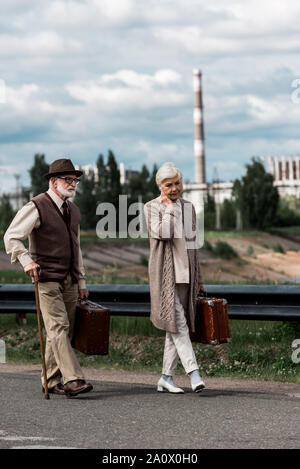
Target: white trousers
179	345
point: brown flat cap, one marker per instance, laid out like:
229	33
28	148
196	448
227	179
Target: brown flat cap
62	166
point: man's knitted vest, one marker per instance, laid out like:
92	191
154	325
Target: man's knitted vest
54	245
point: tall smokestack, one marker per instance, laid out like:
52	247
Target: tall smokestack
198	130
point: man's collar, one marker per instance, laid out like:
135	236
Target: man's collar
55	198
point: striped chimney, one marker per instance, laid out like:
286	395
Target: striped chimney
198	130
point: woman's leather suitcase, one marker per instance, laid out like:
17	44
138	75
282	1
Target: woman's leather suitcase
211	321
91	329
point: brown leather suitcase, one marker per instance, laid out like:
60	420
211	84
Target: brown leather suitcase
211	322
91	329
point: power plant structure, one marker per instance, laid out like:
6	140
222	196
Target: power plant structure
286	171
196	191
200	177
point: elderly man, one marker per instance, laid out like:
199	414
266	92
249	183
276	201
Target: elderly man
51	223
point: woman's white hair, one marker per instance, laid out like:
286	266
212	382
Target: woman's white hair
166	171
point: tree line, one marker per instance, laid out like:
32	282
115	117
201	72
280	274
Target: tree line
255	202
96	186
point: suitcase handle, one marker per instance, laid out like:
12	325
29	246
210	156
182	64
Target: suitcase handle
91	304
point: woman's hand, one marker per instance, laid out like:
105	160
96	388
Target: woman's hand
165	199
83	294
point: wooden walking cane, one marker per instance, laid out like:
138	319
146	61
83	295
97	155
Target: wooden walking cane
37	302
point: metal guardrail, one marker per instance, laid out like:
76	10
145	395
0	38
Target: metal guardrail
260	302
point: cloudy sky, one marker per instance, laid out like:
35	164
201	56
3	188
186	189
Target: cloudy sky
79	77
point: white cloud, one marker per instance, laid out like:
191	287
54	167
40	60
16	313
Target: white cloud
20	99
140	80
194	39
199	40
43	43
88	13
127	89
86	75
157	152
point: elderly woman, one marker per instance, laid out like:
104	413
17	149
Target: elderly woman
174	275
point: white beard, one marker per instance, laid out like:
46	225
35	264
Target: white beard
64	192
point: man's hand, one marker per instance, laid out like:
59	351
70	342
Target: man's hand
32	270
201	289
83	294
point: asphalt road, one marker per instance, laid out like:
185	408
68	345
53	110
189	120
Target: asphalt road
123	415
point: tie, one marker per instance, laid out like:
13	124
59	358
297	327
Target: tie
66	213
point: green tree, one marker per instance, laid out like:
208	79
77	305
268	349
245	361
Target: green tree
142	184
153	189
138	185
257	197
209	213
38	183
6	212
102	180
113	180
287	212
228	214
86	200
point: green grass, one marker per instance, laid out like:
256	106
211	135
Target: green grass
276	230
90	237
258	350
14	276
210	234
285	230
109	277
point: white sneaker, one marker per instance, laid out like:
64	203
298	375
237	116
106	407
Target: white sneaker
163	385
197	387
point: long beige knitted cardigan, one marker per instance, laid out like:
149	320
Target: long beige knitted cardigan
162	272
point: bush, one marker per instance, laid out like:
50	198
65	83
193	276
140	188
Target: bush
224	250
256	196
144	260
207	246
278	248
209	213
228	215
288	329
250	251
287	212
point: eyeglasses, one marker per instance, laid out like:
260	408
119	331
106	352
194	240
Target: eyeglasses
69	180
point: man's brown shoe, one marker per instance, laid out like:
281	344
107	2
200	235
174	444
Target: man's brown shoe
57	389
78	386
